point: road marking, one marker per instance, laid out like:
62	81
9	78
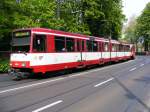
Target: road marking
141	65
47	106
49	81
104	82
132	69
98	69
31	85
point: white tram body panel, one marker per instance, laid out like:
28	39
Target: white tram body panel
105	55
120	54
38	59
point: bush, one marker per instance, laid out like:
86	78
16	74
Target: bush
4	65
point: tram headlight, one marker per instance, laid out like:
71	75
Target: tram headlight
23	64
10	64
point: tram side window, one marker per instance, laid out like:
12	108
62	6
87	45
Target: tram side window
95	46
113	47
124	48
117	47
121	48
106	47
39	43
82	45
70	45
78	45
127	48
89	45
102	46
60	44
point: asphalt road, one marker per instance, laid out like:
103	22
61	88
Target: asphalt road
122	87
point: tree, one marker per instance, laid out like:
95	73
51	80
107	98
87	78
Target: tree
27	13
130	31
6	9
143	26
104	17
92	17
71	13
37	13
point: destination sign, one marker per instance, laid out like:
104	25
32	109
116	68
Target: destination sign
22	34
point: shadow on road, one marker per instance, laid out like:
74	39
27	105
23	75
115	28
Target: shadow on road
131	95
144	79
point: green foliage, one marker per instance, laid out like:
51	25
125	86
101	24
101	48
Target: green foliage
140	27
71	13
143	28
104	17
130	31
143	25
26	13
4	65
93	17
5	21
37	13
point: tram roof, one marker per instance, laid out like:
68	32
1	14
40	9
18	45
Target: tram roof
46	30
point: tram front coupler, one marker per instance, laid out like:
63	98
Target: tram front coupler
17	74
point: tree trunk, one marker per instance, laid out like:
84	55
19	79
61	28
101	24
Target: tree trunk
146	45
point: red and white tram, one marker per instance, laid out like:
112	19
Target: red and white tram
40	50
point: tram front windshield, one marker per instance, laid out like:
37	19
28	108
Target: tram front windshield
21	41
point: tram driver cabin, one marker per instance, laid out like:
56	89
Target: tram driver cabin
40	50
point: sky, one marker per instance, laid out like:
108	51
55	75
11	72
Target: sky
133	7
